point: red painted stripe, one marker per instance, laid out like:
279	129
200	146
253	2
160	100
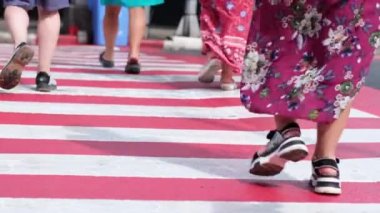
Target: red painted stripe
368	100
85	99
130	84
155	149
82	187
152	43
249	124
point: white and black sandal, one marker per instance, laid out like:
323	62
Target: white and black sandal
325	184
283	146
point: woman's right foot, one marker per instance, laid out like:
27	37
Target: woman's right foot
227	82
133	66
284	145
325	177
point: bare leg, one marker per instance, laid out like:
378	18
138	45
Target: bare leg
111	28
137	30
282	121
227	82
328	138
48	32
17	20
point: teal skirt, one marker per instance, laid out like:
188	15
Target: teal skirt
132	3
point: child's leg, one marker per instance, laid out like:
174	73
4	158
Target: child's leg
49	23
111	28
48	32
17	20
137	30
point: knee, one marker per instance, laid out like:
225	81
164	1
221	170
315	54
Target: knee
112	12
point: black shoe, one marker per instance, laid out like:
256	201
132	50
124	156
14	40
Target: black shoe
105	63
11	73
133	66
325	184
284	145
44	83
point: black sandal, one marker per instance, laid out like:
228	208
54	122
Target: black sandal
105	63
325	184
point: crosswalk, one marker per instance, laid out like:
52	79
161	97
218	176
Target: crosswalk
160	142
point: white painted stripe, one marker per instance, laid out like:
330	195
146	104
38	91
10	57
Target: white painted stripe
235	112
94	64
21	205
121	68
352	170
88	56
121	61
129	110
94	59
185	94
120	77
167	135
10	205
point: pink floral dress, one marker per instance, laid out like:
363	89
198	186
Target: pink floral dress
225	26
309	58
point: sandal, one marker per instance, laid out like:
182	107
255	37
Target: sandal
325	184
283	146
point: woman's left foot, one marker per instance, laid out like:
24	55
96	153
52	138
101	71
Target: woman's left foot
104	62
324	181
283	146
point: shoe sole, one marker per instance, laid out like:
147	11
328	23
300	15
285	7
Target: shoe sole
207	76
291	150
228	86
133	69
327	190
46	88
11	73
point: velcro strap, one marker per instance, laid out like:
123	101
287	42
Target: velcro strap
326	162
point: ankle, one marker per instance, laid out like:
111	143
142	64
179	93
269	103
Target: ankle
291	129
108	55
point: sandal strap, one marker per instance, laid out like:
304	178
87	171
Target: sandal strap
325	163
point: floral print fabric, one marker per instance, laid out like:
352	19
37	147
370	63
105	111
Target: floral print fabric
308	58
225	26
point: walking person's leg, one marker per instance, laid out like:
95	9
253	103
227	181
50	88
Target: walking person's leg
279	79
17	20
208	23
137	24
110	29
325	176
49	24
225	27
